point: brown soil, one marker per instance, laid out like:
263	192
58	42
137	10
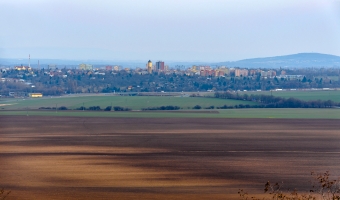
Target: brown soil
130	158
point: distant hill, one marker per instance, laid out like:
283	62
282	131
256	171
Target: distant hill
294	60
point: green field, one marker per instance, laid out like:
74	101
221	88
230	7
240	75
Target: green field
133	102
307	95
280	113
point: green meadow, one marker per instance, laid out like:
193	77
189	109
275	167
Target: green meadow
133	102
279	113
9	106
305	95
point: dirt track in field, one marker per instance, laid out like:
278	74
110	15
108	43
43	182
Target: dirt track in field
130	158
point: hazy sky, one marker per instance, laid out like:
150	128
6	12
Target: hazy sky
176	30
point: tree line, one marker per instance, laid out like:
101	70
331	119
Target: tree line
162	108
269	101
110	108
92	108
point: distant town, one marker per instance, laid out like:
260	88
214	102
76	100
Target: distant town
23	80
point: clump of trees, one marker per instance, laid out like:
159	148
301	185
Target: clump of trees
195	95
323	188
163	108
81	108
62	108
108	108
53	108
197	107
45	108
94	108
118	108
268	101
225	107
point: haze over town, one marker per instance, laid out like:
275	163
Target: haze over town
190	30
169	99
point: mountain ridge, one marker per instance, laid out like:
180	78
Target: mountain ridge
291	60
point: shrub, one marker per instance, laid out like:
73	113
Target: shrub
3	194
197	107
62	108
118	108
109	108
195	95
322	188
81	108
94	108
225	107
45	108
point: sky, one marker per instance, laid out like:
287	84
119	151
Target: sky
169	30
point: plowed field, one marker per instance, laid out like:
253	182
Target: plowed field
161	158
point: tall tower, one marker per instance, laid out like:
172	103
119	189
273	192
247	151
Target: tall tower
149	66
160	66
29	60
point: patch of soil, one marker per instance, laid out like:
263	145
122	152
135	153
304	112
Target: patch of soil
140	158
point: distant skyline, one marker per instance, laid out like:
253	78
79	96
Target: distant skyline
177	30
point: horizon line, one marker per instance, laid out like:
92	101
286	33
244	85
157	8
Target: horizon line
184	61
